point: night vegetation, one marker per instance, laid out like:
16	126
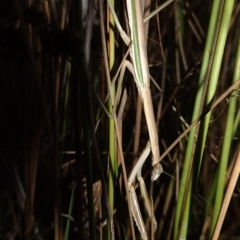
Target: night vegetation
61	168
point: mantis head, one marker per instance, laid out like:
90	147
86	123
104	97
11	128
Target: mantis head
156	171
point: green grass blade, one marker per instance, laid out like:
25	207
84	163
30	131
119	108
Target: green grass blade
113	169
196	112
227	140
66	234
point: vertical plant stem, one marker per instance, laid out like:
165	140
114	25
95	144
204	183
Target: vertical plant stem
112	144
88	119
229	122
229	192
202	85
66	234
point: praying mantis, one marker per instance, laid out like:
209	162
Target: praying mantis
139	68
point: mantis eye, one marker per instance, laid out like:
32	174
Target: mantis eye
157	170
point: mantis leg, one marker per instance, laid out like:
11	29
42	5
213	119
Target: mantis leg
136	173
137	213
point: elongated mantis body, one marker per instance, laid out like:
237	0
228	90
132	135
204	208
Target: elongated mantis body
140	71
